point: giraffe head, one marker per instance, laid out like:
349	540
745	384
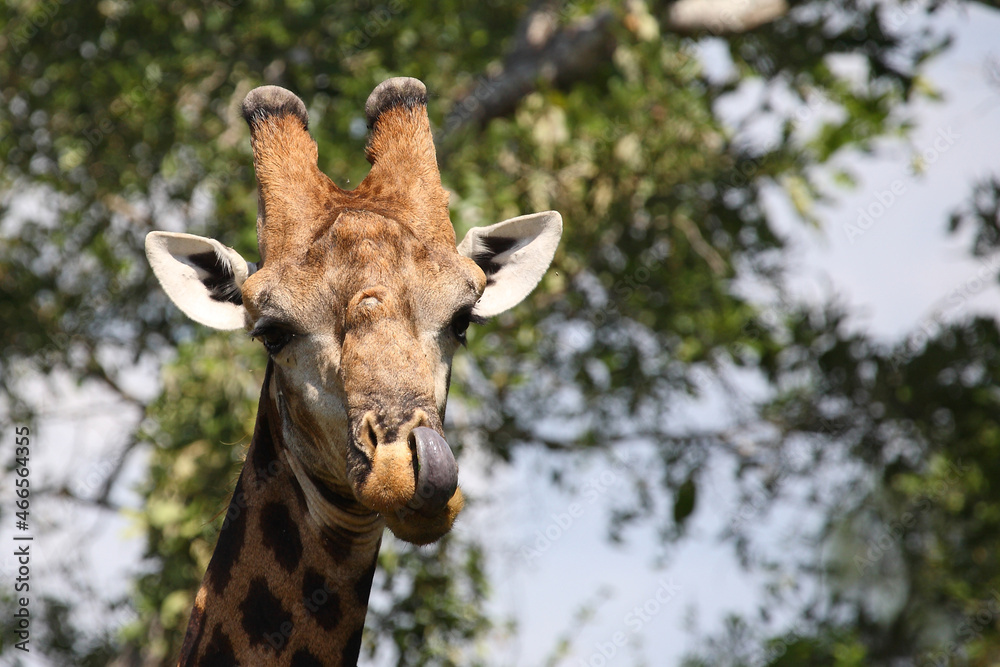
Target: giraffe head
361	299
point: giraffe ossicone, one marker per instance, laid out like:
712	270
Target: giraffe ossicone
361	298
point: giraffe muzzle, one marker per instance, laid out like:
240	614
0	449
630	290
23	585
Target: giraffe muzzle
436	471
407	472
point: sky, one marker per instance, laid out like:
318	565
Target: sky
897	270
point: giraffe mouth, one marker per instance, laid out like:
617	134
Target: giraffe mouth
412	483
413	475
434	470
437	500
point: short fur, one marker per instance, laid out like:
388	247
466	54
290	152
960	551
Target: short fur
361	299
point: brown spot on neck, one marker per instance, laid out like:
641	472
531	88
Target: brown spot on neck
280	589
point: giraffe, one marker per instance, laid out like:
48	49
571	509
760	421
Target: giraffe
361	299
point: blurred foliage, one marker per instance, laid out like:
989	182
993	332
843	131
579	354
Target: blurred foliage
120	117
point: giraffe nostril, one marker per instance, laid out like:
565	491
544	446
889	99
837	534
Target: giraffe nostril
435	470
371	438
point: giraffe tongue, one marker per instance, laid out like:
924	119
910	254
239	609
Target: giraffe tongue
437	471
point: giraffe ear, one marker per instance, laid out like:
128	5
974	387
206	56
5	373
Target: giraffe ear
201	276
514	255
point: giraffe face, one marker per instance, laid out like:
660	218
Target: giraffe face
361	300
361	335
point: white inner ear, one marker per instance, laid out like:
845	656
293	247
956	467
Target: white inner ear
201	276
514	254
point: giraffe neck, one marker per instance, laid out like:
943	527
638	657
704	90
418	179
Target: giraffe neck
284	588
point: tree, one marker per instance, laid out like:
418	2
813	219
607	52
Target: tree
120	118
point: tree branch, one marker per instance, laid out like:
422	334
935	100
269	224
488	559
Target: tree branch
103	496
96	370
64	491
721	17
543	53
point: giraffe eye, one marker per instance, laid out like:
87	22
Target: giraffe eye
274	338
460	324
